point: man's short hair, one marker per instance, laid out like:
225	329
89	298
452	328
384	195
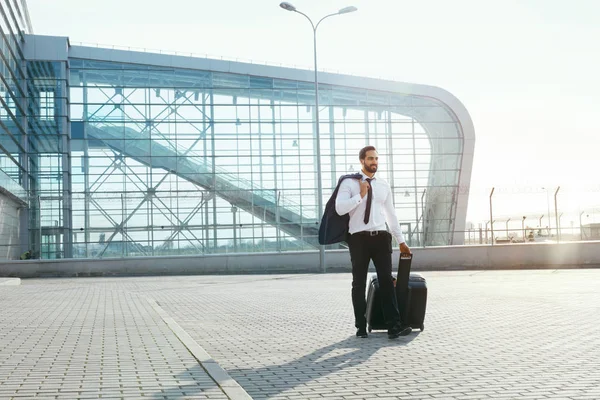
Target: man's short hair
362	154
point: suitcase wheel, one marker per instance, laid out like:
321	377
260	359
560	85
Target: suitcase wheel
422	328
370	329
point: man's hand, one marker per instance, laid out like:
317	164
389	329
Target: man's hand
364	188
404	248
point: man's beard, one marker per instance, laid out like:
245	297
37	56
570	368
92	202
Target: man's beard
370	168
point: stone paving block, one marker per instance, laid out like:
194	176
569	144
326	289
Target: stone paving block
487	333
492	323
85	331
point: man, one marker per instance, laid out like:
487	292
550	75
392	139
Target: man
369	203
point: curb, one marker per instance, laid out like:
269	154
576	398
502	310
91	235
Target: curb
10	281
228	385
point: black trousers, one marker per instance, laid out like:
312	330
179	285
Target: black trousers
363	249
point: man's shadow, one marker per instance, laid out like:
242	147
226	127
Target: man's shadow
269	381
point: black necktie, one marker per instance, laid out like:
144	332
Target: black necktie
369	200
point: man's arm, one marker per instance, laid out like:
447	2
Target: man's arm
345	202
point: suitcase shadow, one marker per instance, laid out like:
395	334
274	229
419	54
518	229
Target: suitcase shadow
348	353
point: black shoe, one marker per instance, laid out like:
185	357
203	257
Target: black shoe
399	330
362	333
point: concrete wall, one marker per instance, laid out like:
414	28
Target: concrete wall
10	242
13	200
512	256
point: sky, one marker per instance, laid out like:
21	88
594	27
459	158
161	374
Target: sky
528	72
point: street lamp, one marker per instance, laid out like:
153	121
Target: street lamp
290	7
556	215
523	227
558	226
234	212
486	230
548	204
491	214
580	225
423	238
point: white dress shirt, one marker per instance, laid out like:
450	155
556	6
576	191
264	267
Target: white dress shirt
382	209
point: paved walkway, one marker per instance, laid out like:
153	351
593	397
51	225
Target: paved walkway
488	335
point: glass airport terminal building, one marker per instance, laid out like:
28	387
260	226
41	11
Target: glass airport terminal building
116	153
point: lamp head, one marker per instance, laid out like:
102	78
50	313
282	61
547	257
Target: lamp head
287	6
347	10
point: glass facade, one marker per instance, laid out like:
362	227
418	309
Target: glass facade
169	161
13	98
14	159
49	153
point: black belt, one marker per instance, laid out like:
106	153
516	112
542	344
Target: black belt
370	233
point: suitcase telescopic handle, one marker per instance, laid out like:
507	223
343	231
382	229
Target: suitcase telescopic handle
406	256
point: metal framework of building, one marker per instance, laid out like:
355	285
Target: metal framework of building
125	153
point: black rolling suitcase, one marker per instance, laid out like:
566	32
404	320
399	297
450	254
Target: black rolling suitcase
411	293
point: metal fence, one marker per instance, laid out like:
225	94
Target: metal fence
553	213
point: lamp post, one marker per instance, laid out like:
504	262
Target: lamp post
423	238
548	205
471	229
491	215
234	212
559	224
523	227
580	225
289	7
486	231
556	215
